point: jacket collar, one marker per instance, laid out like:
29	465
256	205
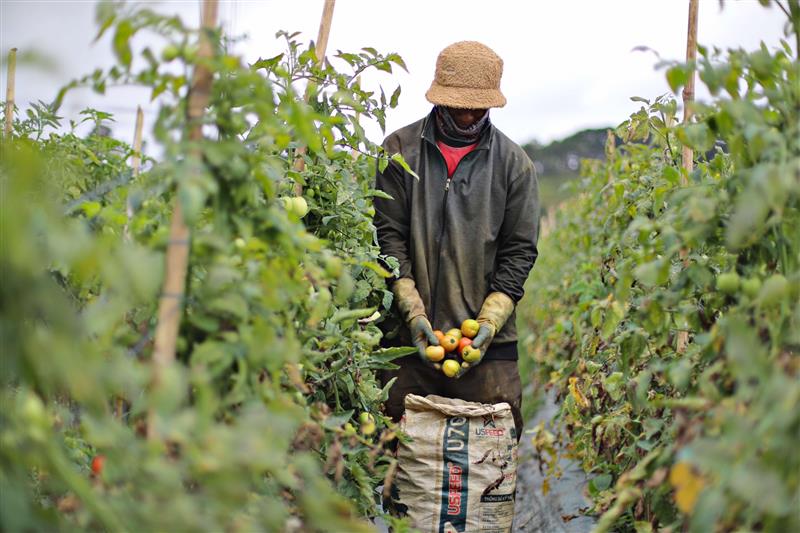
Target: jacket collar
429	133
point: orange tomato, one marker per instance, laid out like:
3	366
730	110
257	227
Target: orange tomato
449	343
434	353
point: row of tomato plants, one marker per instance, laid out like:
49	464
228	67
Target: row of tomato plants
269	418
666	314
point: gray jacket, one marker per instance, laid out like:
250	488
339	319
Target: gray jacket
463	238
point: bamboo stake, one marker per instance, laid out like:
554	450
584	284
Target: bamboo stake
136	164
688	90
324	29
321	46
171	302
688	154
137	142
10	81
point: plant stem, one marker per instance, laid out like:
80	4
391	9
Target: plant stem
10	81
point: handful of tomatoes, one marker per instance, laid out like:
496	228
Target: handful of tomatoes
455	350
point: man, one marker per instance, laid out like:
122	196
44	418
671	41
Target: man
464	233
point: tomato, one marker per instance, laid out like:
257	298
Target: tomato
439	335
470	327
333	267
728	282
774	290
169	53
295	204
471	354
97	464
449	343
434	353
300	206
463	343
450	368
455	333
751	286
367	421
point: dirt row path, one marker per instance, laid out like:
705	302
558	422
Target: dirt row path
558	511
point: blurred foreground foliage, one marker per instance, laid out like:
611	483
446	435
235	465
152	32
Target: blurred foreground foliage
261	424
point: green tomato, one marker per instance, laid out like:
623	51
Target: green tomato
751	286
190	52
300	206
169	53
728	282
333	267
773	290
366	418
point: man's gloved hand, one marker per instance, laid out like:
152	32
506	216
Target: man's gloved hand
496	309
413	312
422	336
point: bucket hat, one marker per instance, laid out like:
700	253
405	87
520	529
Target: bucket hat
467	77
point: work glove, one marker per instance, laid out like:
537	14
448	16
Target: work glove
413	312
496	309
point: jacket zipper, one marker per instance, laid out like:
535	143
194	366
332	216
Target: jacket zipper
439	255
435	291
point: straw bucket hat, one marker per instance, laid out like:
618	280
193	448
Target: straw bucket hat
467	77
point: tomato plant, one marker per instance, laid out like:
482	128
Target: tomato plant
252	427
699	435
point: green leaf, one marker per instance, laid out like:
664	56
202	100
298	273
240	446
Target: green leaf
654	273
336	421
267	64
600	483
384	394
375	267
349	314
677	77
748	220
390	354
91	209
122	45
379	194
107	19
696	136
394	99
397	158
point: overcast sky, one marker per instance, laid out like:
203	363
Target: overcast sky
569	64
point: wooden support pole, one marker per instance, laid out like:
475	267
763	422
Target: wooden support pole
688	90
10	80
171	303
688	154
324	29
320	48
136	164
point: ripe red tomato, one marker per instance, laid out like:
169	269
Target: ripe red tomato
97	464
463	343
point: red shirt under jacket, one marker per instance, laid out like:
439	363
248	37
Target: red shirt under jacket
452	155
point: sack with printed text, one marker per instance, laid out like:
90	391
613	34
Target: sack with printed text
458	472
